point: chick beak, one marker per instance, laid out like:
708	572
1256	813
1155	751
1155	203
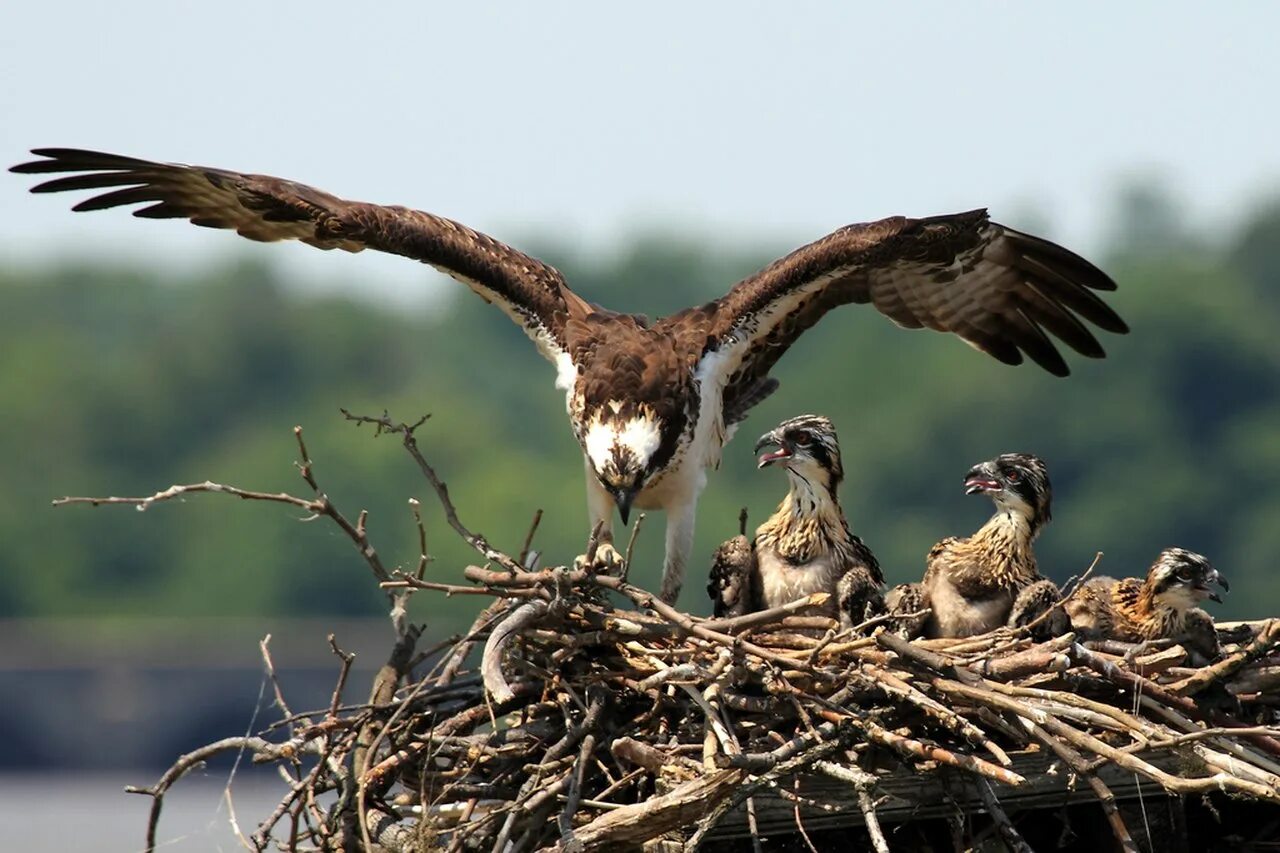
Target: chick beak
978	480
1222	582
767	459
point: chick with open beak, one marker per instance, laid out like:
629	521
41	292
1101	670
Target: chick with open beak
1181	579
805	547
809	449
1016	483
990	579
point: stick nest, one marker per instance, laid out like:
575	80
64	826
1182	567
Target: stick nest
598	715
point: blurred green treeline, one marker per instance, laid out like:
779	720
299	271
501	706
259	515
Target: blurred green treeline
123	381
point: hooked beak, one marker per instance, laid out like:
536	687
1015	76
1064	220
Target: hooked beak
979	480
767	459
1220	581
623	498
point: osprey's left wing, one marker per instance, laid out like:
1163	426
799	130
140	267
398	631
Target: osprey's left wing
266	209
1001	291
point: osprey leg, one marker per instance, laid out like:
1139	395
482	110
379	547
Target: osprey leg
680	521
600	512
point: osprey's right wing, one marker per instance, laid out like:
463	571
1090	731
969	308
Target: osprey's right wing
265	208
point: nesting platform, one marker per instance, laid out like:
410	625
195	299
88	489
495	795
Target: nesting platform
597	716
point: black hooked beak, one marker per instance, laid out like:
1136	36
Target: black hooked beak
979	480
1222	582
623	498
784	450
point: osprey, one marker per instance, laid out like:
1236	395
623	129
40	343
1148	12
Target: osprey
1164	605
806	545
990	579
652	404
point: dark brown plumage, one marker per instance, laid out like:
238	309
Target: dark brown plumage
990	579
653	403
1161	606
806	546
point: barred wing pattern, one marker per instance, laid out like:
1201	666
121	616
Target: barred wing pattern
265	208
1001	291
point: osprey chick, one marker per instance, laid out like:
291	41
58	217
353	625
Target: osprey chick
652	404
805	546
990	579
1163	606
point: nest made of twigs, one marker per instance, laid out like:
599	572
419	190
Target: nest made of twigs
596	724
600	715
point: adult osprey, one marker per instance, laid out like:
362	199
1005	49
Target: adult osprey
652	404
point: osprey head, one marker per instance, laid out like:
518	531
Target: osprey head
1015	482
807	447
1180	579
622	443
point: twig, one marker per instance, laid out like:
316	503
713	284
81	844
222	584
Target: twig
742	792
631	546
1261	645
264	647
1068	590
1012	838
1079	654
406	431
1076	762
573	799
524	616
523	558
593	543
423	556
320	505
734	624
343	672
863	783
260	747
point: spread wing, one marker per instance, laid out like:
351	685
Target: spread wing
267	209
1001	291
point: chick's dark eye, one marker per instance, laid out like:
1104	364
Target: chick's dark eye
801	437
1184	574
1013	476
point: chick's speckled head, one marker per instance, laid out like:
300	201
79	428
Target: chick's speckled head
806	445
1182	579
1014	481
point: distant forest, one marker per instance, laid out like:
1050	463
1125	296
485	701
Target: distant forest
125	380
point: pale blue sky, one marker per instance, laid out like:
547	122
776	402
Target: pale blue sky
583	122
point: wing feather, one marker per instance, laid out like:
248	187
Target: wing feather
267	209
1001	291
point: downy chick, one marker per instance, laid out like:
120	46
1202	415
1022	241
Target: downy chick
988	580
1161	606
805	546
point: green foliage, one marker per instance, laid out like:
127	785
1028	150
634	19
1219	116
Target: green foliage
119	381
